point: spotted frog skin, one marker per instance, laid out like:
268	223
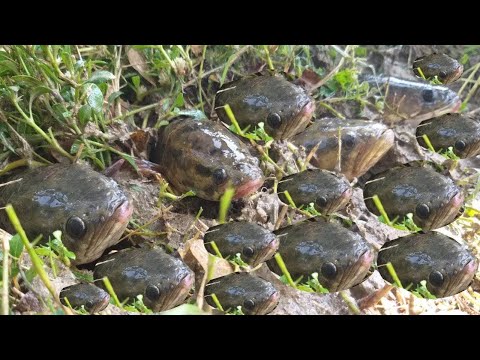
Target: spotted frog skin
447	266
91	297
446	69
329	192
341	257
412	100
432	198
363	144
284	108
254	243
452	130
255	295
91	210
163	280
203	156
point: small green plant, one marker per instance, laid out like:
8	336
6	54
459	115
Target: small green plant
235	311
422	292
313	285
138	306
406	223
54	249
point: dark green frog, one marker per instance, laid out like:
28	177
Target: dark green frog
452	130
254	243
255	295
329	192
203	156
363	143
413	100
284	108
91	297
447	266
342	258
445	68
163	280
90	209
432	198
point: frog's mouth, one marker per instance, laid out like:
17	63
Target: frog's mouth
269	305
456	74
368	154
339	202
354	273
248	188
175	295
100	305
460	280
267	253
106	234
445	214
299	122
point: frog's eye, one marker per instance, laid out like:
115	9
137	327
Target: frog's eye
329	270
321	201
219	176
152	292
75	227
249	304
460	145
89	305
436	278
274	120
442	75
348	141
422	211
248	251
427	95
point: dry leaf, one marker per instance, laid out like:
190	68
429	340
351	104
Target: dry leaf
138	62
196	255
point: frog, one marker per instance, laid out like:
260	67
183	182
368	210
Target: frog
342	258
254	243
433	199
91	210
412	101
444	67
284	108
204	156
361	145
447	266
329	192
163	280
91	297
253	294
457	131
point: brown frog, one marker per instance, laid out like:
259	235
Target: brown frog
361	145
457	131
91	297
342	258
163	280
284	108
444	67
203	156
255	295
447	266
432	198
328	191
91	210
413	100
254	243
